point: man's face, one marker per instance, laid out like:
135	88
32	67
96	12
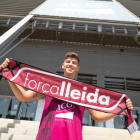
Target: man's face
70	66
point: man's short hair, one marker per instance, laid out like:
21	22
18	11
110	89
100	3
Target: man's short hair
73	55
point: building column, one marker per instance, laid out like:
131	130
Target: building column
39	109
100	80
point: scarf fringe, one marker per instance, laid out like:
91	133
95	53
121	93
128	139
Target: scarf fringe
132	128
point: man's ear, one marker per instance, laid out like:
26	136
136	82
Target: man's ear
78	68
63	66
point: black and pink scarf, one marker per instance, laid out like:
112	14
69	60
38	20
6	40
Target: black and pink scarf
69	90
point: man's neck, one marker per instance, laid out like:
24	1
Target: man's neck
69	76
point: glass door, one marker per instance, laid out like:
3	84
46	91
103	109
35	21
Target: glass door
29	109
11	108
136	115
4	102
118	121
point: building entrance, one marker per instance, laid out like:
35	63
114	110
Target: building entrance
11	108
116	122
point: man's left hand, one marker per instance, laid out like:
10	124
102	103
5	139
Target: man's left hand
129	104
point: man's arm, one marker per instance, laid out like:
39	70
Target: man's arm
102	117
23	95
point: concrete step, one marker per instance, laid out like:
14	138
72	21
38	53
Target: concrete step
2	120
16	137
110	133
25	126
10	123
26	137
18	131
90	137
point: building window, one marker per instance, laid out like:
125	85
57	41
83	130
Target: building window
121	83
133	84
60	73
87	78
113	83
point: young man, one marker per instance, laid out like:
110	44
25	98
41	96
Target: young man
61	120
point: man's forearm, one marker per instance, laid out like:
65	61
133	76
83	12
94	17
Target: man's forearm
18	92
23	95
100	116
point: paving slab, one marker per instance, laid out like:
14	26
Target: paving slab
16	137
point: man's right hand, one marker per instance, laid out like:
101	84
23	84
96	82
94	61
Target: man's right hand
20	92
5	63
